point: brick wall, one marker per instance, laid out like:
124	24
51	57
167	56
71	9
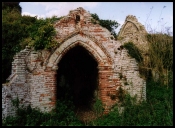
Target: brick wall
34	73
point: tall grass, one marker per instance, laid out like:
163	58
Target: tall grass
160	55
62	115
157	110
160	50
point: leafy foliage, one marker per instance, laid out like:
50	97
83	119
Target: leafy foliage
161	51
14	29
111	25
156	111
62	115
160	56
133	51
19	31
42	33
11	5
98	107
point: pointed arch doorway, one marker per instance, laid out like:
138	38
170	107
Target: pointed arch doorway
93	54
77	77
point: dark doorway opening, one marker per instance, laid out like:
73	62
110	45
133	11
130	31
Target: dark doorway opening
77	78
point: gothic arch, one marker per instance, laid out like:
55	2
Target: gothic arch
97	53
123	28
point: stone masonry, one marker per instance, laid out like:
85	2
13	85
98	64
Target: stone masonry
33	77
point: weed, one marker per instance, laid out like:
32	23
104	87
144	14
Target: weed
98	107
121	94
133	51
120	75
156	111
126	83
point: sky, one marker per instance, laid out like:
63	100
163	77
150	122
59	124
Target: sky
155	16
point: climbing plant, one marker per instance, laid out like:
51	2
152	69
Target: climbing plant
133	51
161	51
111	25
41	34
19	31
11	6
14	29
161	55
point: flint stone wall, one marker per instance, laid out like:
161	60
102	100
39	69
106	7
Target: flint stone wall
33	77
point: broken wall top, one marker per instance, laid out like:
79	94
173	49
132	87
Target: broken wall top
79	21
133	31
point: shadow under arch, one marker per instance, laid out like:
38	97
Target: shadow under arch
97	53
77	77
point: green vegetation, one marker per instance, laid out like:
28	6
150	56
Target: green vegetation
161	55
133	51
161	49
62	115
19	31
41	34
157	110
111	25
13	30
11	5
98	107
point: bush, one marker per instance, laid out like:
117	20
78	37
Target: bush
62	115
14	30
133	51
161	55
111	25
156	111
19	31
42	34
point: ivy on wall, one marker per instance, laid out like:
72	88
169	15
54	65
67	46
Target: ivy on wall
19	31
111	25
133	51
41	34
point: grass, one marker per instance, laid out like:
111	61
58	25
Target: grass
156	111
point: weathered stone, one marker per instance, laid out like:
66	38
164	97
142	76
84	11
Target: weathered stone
33	78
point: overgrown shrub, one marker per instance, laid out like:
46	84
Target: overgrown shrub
111	25
13	30
42	34
98	107
157	110
19	31
62	115
161	55
133	51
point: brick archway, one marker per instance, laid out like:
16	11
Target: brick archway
98	53
104	66
77	76
34	73
88	47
